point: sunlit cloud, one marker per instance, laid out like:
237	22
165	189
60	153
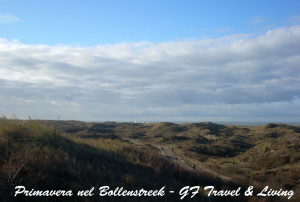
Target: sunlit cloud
257	20
294	19
8	18
230	78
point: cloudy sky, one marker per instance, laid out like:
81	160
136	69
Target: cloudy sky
150	61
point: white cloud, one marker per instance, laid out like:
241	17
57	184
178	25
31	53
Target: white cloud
7	19
258	20
235	77
294	19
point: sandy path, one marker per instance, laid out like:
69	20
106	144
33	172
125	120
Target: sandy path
168	154
184	162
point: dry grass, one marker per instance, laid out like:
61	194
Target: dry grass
92	154
39	157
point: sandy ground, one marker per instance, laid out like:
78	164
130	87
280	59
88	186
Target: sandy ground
184	162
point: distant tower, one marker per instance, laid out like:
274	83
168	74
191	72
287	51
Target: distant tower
58	117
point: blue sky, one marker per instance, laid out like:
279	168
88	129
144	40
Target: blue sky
99	22
150	60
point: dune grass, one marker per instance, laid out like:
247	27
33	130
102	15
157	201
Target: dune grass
76	156
42	157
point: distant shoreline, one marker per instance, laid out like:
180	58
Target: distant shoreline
241	123
233	123
257	123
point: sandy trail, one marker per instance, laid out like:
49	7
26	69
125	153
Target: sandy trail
168	154
171	154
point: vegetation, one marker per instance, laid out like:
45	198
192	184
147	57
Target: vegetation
39	157
72	155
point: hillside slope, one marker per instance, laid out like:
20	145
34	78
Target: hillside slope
41	158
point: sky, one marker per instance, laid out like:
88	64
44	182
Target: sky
219	61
